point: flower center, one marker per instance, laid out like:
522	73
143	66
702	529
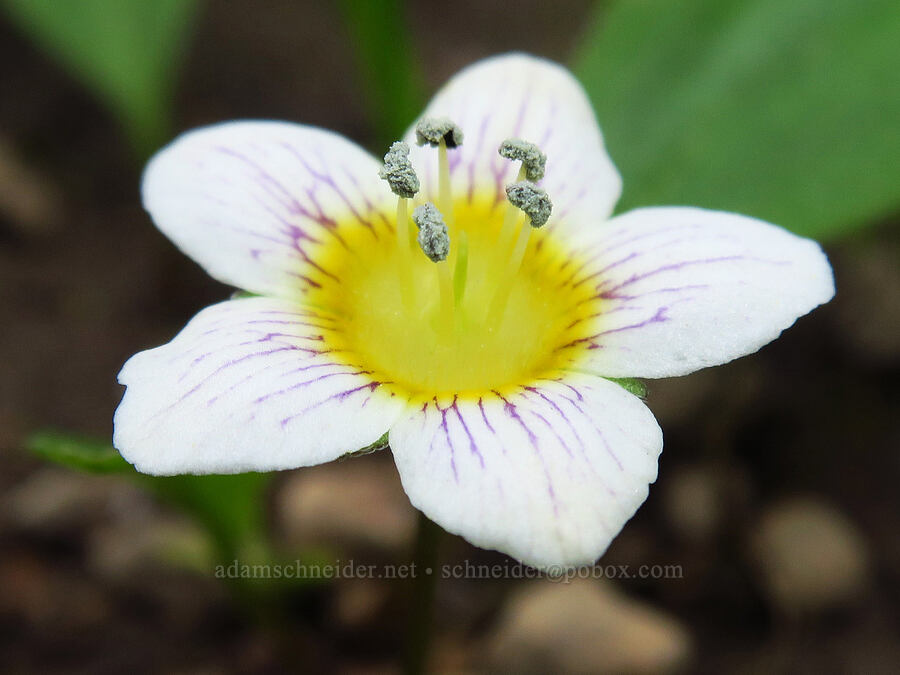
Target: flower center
393	320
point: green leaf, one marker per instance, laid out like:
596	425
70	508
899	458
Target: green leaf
381	444
387	63
241	294
787	111
632	386
77	453
230	507
127	51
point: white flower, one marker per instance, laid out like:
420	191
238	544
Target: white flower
489	375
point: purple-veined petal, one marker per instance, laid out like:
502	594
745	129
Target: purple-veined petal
678	289
521	96
253	202
248	385
548	473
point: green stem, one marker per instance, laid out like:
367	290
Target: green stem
424	583
388	63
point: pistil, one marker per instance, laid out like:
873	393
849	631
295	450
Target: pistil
461	269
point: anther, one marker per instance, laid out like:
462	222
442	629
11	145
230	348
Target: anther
532	200
433	235
398	171
433	130
533	160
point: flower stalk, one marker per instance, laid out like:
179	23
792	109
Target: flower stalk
426	556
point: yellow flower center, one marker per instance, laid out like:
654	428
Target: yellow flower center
504	328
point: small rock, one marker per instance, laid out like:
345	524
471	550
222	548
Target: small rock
699	500
358	601
55	499
28	200
809	555
585	626
126	549
693	503
355	502
450	654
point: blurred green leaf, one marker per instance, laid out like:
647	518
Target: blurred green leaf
381	444
128	51
77	453
631	385
387	62
788	111
230	507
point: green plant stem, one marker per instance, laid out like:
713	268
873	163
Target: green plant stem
388	64
421	604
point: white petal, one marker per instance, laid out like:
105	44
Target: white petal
252	202
679	289
248	385
548	474
520	96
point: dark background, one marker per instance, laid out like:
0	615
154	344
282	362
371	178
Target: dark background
777	494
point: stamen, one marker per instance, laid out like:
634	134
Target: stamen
509	220
405	254
536	204
533	160
399	173
531	199
445	196
403	226
433	236
442	133
433	130
435	243
533	163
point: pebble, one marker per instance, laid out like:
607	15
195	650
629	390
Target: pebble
700	500
357	502
810	557
585	626
55	499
